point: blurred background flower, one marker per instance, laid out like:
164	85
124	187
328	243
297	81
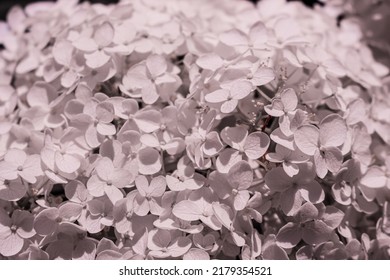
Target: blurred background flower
372	15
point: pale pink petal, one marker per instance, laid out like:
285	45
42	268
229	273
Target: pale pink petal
28	63
142	185
106	129
226	159
158	239
234	136
263	76
66	163
333	216
157	186
277	180
374	178
41	94
92	138
334	67
356	111
241	200
187	210
290	201
70	211
258	33
240	89
217	96
312	192
291	169
76	191
289	236
105	112
113	193
213	144
11	245
286	141
150	140
149	161
233	37
135	80
85	44
333	131
148	121
333	158
275	109
307	212
68	78
85	250
238	238
121	177
13	191
141	244
104	169
96	59
25	223
8	171
196	254
289	99
316	232
45	222
256	145
179	246
15	156
104	34
96	186
274	252
224	214
240	175
229	106
156	65
63	52
320	164
210	62
307	139
150	94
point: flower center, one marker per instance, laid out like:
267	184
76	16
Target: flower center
13	228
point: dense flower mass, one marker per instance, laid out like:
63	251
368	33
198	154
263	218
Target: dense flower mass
204	130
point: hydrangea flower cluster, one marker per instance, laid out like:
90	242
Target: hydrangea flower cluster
163	129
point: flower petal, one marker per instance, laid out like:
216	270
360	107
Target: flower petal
333	131
316	232
306	138
11	245
156	65
374	178
104	34
289	236
220	95
240	175
312	192
240	89
210	62
256	145
66	163
187	210
149	161
320	164
289	99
